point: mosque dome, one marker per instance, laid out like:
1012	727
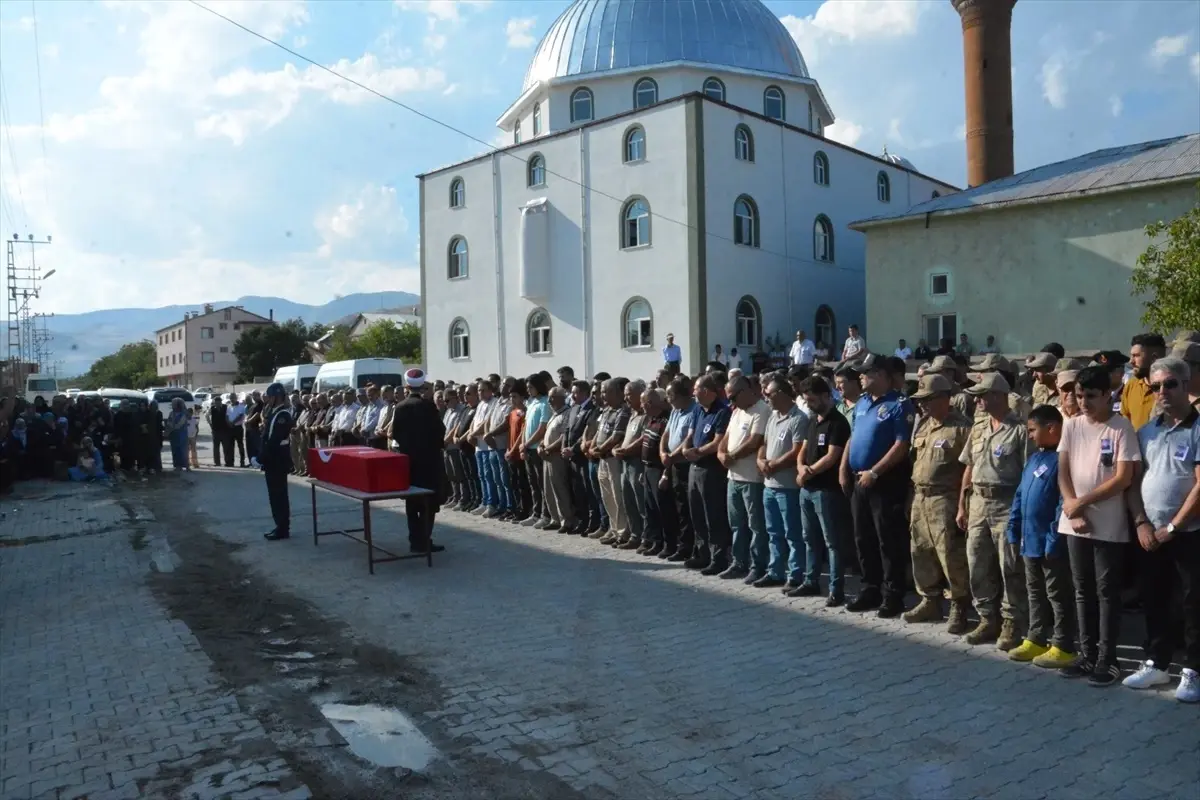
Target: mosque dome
593	36
899	161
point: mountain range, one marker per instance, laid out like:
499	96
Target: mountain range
80	339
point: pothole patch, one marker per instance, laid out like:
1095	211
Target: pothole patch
382	736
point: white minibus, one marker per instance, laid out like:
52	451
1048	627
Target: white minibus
358	373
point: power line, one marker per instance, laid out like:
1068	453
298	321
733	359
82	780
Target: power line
37	54
6	115
491	147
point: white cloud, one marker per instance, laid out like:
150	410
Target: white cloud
519	32
440	10
449	90
844	131
1054	83
841	21
435	41
1167	47
1115	105
299	42
374	215
1196	66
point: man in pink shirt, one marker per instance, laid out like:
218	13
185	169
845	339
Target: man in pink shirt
1096	464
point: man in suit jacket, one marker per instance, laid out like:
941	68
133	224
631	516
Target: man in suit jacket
418	432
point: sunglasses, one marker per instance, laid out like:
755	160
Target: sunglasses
1170	385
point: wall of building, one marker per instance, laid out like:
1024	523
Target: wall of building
171	351
192	342
782	276
1028	275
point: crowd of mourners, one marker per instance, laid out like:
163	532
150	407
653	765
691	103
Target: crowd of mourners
87	438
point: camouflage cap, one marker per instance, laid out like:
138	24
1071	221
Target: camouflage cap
1041	361
993	362
990	382
1070	365
1188	351
932	384
942	364
1066	378
1187	336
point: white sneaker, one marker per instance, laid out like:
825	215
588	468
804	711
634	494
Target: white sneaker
1147	677
1189	687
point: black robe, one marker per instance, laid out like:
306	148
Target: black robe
418	432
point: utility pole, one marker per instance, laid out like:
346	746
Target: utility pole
23	280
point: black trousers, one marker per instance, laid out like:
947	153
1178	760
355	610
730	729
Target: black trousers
519	481
533	474
881	533
471	486
218	440
236	437
420	512
277	494
1178	557
662	523
1096	569
586	504
1051	602
686	539
710	512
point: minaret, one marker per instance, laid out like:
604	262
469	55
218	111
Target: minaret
987	62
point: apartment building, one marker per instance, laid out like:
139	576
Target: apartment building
198	351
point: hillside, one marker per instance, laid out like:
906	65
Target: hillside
80	339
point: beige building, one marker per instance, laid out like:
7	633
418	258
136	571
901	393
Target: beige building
1040	256
198	351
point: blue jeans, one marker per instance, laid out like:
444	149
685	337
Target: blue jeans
485	478
178	440
785	528
750	545
498	468
594	482
824	517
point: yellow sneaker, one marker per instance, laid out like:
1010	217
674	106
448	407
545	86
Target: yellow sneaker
1027	651
1054	659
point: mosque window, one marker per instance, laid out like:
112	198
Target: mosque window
883	187
821	169
773	103
637	323
715	89
460	340
458	258
823	239
635	144
537	171
635	223
458	193
537	119
537	332
581	105
645	93
745	222
749	322
743	143
517	133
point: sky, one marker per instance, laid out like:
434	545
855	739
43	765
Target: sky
174	157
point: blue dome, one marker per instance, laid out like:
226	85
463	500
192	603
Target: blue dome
600	35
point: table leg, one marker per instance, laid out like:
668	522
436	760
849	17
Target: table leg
366	504
316	539
429	529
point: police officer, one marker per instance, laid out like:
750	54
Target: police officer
874	473
995	459
939	548
275	457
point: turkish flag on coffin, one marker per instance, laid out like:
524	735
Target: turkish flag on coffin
362	468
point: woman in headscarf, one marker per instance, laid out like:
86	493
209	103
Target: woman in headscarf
90	466
177	430
152	438
18	449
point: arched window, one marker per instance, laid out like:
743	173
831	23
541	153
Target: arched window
460	339
749	322
537	170
458	258
517	133
745	222
821	169
637	322
715	89
936	195
645	93
883	187
458	193
635	144
824	326
635	223
743	143
581	105
537	332
537	119
774	105
823	239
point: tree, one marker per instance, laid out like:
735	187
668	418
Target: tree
1168	273
262	349
134	366
382	339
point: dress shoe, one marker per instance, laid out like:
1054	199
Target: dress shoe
714	568
733	572
275	535
866	600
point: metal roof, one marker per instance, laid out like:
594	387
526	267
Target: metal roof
1166	160
599	35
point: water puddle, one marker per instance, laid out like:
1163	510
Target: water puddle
383	736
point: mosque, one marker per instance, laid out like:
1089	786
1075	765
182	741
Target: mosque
668	173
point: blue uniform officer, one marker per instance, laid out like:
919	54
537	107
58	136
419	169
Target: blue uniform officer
276	457
874	474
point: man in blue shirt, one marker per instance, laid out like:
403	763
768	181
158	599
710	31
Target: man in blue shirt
707	483
677	469
672	355
874	472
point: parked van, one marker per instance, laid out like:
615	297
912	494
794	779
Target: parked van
358	373
40	385
298	376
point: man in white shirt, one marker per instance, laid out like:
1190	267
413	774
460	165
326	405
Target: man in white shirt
903	351
803	350
479	427
343	426
235	412
370	419
855	345
719	356
738	453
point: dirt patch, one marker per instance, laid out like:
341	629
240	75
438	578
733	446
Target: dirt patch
283	660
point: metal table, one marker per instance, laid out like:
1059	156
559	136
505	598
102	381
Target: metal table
366	498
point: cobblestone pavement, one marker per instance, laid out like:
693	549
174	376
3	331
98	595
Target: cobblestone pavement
620	676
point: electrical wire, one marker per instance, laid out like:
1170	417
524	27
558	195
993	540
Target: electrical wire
427	117
6	127
37	54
